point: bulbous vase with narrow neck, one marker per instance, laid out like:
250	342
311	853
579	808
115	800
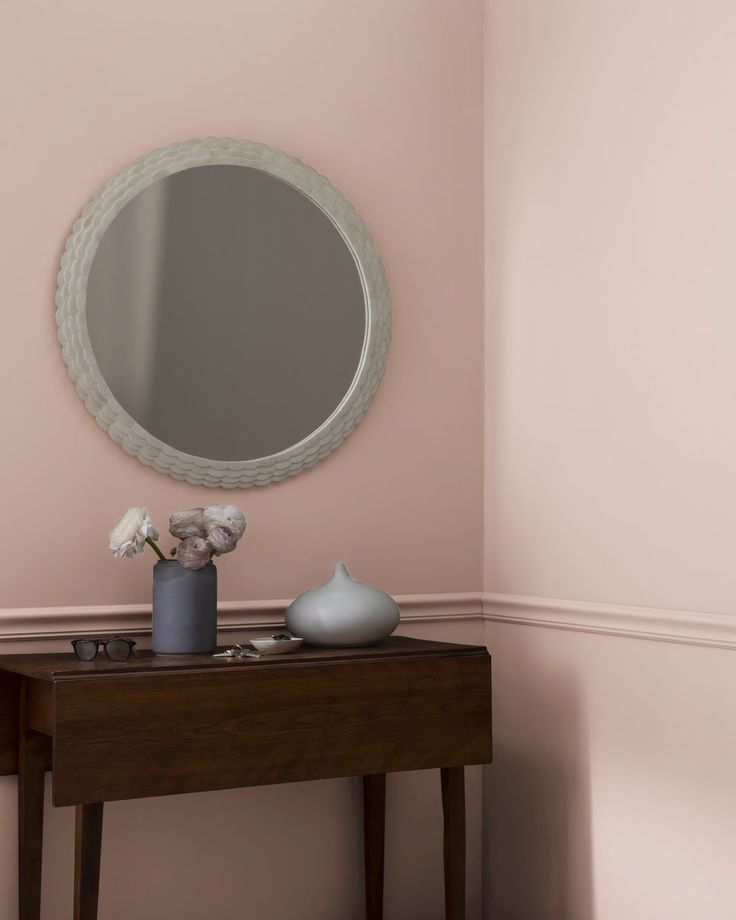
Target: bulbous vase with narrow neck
342	613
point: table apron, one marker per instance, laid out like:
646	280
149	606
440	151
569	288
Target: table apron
147	735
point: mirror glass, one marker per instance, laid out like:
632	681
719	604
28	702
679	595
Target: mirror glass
226	312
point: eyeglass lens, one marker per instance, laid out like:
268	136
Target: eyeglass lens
118	649
86	649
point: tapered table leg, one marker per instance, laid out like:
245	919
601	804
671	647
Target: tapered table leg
87	850
453	806
31	764
374	833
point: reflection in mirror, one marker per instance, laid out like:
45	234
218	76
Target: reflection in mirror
226	312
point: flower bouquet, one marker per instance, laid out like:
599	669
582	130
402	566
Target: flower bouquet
185	585
203	532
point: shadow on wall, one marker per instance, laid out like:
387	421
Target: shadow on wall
537	834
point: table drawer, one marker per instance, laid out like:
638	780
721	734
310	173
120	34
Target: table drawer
121	737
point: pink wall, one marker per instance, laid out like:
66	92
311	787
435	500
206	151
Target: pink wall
610	195
611	795
384	98
608	453
610	288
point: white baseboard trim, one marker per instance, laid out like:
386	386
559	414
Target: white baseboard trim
30	623
683	626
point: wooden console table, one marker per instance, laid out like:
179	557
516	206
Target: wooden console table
159	726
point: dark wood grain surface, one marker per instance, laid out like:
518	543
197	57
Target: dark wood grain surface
9	717
52	668
374	843
32	757
59	666
87	852
453	808
159	726
137	735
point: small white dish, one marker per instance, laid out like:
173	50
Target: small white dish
272	646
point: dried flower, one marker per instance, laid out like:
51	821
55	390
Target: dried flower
229	517
132	532
221	539
193	553
187	523
203	532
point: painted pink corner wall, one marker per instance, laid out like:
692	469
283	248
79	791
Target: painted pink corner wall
384	98
610	451
611	191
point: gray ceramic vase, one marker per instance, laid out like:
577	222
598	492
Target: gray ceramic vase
342	613
184	609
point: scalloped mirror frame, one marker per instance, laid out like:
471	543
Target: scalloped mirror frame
71	318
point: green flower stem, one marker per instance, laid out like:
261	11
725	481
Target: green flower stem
152	544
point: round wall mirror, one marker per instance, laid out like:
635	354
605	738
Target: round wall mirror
223	312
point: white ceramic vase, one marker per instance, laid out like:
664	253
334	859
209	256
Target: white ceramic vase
342	613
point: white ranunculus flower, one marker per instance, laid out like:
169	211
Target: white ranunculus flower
228	517
187	523
193	553
128	537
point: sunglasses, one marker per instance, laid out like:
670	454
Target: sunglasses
117	648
